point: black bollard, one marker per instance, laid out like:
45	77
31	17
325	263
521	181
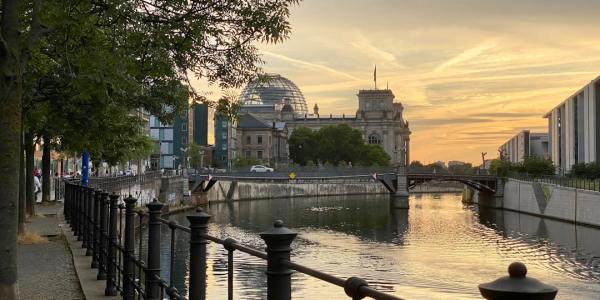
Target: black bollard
90	221
111	258
103	247
198	227
153	263
517	286
129	250
96	230
279	276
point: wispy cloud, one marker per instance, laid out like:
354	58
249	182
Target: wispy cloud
468	79
466	55
309	64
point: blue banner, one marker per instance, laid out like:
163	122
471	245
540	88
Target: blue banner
85	162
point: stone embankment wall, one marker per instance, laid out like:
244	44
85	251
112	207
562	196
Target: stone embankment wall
228	190
548	200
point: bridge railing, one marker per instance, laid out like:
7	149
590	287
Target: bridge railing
107	230
566	181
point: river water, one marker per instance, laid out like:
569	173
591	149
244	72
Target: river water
437	249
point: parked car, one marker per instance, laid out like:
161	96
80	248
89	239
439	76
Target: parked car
260	169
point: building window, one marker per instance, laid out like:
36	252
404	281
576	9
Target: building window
224	135
248	140
247	154
259	154
183	127
224	146
184	140
374	139
259	140
223	124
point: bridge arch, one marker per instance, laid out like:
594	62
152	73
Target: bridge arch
480	183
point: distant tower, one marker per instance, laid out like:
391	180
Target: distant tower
316	109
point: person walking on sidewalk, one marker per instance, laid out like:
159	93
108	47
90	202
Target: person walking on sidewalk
37	185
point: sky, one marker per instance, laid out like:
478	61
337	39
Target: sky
470	73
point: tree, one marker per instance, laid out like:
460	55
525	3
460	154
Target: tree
336	144
536	166
195	155
375	155
302	146
416	164
466	168
100	58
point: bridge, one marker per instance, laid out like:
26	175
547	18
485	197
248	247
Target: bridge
389	178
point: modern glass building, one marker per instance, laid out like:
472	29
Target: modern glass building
574	128
225	142
163	156
180	140
525	144
200	124
273	90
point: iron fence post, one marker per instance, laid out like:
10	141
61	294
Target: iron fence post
111	258
279	279
129	251
198	228
79	212
84	216
153	265
90	221
96	230
102	247
66	203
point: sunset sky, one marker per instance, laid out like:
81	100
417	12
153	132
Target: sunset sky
470	73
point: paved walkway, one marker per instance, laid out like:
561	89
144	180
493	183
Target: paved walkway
58	269
46	271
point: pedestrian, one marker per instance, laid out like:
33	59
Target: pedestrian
37	185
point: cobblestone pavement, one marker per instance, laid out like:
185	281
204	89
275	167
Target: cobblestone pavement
46	271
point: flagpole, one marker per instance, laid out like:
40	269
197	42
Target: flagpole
375	76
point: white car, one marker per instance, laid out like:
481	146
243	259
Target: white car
260	169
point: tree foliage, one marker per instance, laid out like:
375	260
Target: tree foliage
586	170
83	70
531	165
195	155
334	144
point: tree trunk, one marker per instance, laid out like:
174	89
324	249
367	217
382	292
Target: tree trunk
29	164
10	127
22	196
46	174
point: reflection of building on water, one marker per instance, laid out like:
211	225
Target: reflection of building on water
574	243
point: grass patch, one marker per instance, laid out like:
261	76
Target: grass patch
31	238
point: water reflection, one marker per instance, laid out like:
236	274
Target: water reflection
439	248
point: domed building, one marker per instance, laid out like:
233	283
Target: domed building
273	91
273	106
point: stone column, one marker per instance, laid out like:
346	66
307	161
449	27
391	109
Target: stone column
400	198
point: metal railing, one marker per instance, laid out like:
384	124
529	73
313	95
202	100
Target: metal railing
116	183
107	230
565	181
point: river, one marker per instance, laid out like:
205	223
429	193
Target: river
437	249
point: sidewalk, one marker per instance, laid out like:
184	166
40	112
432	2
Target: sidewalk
46	270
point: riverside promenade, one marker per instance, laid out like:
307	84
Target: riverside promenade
53	265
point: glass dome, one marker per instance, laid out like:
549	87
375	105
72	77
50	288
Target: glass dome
273	89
